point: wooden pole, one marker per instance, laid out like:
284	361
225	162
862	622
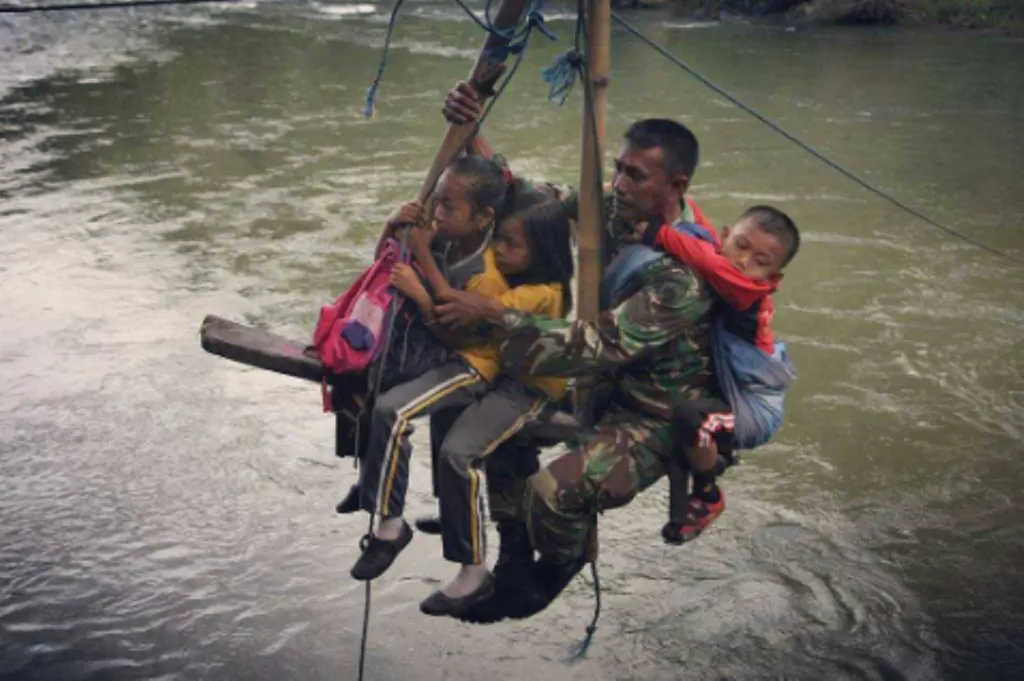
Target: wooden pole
591	196
588	278
485	72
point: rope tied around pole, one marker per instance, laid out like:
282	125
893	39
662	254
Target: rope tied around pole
517	37
561	74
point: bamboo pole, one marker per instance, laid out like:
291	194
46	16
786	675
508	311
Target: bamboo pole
485	72
588	279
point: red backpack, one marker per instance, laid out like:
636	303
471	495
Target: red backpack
350	331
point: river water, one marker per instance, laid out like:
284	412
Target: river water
168	514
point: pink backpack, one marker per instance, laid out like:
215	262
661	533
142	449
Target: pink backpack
350	330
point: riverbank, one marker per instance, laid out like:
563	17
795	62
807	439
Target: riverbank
966	14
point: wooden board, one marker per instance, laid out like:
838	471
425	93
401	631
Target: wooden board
264	350
259	348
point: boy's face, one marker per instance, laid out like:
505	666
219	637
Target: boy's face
753	251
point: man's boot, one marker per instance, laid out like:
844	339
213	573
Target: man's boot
515	553
516	595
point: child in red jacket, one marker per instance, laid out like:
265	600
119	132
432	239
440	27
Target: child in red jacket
744	270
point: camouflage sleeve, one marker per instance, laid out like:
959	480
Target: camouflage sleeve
570	199
669	303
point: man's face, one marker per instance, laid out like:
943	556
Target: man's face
642	188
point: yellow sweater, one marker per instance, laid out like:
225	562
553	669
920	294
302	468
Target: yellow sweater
542	299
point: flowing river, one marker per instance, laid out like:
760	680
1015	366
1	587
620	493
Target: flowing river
168	514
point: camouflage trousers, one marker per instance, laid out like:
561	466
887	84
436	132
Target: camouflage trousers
623	455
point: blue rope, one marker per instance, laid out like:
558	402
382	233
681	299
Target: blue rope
581	650
516	37
371	92
532	15
811	150
561	75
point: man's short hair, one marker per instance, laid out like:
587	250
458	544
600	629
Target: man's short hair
679	144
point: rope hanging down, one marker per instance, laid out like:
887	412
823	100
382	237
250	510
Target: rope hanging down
371	398
811	150
518	47
584	646
371	92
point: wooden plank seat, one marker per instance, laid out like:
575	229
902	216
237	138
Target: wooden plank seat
265	350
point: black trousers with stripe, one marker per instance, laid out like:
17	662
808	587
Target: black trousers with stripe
384	473
479	430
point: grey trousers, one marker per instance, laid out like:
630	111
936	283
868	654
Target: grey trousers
485	424
384	473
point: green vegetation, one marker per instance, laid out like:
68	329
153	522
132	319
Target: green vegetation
956	13
998	14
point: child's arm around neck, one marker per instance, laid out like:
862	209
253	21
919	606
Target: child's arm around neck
736	289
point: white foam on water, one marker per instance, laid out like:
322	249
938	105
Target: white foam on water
345	10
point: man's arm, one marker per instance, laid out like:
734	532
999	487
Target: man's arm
669	303
463	105
462	308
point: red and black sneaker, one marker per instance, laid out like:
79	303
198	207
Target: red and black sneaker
699	514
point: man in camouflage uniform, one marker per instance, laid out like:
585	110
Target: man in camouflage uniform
650	345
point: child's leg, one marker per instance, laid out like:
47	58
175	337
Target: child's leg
440	423
348	400
480	429
384	474
385	470
351	419
678	491
701	423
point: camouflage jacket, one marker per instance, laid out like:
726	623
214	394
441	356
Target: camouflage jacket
652	345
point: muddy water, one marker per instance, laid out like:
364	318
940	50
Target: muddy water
167	514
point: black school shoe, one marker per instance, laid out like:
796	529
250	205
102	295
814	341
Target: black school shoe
438	603
379	554
429	524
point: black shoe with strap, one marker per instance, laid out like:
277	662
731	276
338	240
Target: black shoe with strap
379	554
